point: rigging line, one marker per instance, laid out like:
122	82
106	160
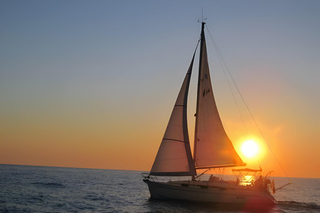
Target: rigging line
224	67
264	138
224	72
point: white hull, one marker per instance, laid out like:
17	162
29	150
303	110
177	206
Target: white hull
196	191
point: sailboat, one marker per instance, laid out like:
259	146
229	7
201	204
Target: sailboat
212	149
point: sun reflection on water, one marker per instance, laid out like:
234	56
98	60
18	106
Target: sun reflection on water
246	180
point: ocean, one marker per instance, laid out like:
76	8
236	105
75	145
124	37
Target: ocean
54	189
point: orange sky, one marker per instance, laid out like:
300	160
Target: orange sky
96	86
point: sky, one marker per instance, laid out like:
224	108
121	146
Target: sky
91	84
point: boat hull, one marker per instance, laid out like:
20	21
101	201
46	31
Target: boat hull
199	192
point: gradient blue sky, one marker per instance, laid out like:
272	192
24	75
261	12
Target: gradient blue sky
92	83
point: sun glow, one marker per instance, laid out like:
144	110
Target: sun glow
249	148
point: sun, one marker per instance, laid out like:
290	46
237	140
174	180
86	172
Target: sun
249	148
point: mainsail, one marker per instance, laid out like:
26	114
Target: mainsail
212	146
174	156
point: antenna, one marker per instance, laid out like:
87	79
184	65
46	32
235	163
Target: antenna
202	13
202	19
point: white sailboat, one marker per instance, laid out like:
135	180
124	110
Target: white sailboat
212	149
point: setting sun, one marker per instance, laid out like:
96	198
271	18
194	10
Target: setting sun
249	148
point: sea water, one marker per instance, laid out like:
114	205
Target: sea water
53	189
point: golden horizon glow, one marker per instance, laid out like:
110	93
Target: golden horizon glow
250	148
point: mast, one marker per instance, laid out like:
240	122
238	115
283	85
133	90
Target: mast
198	90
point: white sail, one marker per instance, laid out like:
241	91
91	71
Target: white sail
212	147
174	156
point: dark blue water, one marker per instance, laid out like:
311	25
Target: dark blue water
52	189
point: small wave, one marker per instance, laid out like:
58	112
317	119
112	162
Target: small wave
39	198
93	197
50	184
299	205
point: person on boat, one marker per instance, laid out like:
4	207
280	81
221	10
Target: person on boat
267	182
259	182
